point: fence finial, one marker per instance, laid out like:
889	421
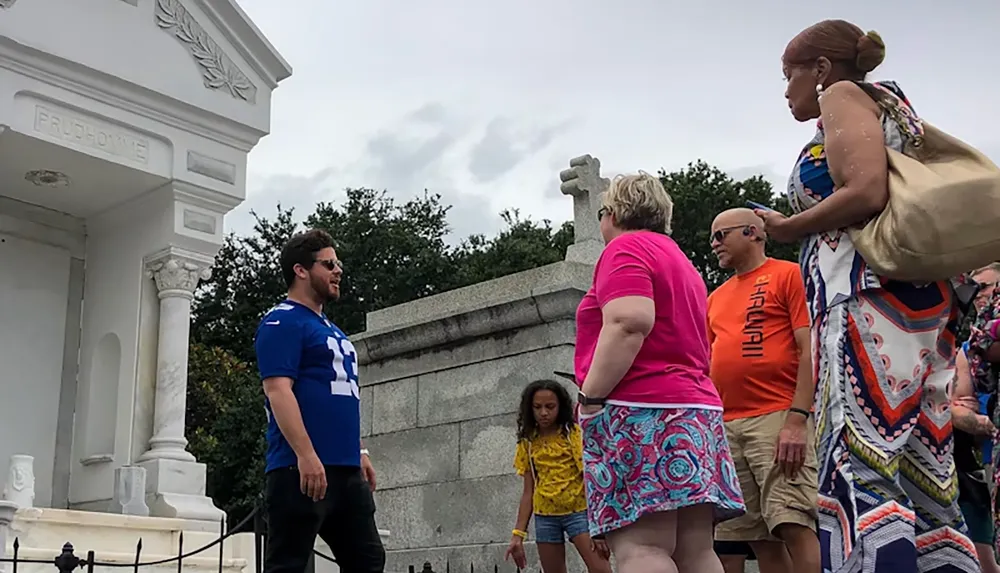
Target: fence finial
67	561
138	552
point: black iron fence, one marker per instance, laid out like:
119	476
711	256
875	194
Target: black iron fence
69	562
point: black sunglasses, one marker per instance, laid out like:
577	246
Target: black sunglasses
720	234
601	213
331	264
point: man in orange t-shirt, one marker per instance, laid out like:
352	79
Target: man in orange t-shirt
758	326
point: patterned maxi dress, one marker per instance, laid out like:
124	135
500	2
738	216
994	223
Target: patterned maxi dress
883	358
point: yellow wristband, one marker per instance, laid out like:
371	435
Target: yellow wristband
521	534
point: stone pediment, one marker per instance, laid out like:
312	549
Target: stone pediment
200	64
217	69
117	98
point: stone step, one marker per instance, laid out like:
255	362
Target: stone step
107	533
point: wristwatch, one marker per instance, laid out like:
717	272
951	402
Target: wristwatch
585	400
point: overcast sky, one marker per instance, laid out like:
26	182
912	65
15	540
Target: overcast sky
485	102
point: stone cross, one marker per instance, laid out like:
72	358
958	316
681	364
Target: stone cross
584	182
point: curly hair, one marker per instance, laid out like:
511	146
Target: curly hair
527	426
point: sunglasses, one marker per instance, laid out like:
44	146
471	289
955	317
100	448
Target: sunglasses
331	264
720	234
601	213
985	290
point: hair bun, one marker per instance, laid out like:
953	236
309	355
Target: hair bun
871	51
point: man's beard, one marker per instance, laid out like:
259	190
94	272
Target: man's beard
321	290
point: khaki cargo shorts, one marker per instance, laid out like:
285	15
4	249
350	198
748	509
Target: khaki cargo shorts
771	498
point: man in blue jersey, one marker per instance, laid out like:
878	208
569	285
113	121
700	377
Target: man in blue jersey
319	480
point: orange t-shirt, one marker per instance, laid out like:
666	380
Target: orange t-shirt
751	321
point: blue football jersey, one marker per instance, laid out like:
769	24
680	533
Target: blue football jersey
295	342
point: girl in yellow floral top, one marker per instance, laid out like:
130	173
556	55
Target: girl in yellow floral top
550	457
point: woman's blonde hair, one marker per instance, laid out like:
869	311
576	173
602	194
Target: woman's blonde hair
639	203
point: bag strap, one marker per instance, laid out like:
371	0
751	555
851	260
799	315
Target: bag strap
910	126
573	447
531	462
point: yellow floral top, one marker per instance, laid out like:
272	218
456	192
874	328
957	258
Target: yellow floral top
558	467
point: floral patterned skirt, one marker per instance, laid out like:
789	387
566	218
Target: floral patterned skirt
639	461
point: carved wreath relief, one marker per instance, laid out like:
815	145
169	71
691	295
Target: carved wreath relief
218	71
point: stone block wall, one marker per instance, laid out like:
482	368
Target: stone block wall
440	392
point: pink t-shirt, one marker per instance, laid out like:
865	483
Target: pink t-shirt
671	369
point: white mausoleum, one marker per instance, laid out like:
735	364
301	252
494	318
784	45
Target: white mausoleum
124	132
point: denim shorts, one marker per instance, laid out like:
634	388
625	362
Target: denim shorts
558	528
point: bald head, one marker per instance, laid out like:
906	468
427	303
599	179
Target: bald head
738	239
738	217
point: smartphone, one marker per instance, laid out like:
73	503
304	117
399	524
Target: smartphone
755	205
566	375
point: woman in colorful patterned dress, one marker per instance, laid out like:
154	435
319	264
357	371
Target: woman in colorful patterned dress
883	349
658	470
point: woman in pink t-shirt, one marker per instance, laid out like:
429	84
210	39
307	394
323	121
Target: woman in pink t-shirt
658	471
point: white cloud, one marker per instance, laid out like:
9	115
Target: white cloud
485	103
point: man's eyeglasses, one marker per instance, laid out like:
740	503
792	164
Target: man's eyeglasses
331	264
720	234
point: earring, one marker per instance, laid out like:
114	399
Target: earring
819	89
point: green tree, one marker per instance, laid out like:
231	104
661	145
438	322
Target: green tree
700	192
392	252
521	245
225	427
245	282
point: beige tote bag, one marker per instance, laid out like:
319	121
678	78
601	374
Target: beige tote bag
943	214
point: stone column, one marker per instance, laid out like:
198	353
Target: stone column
176	274
175	484
584	182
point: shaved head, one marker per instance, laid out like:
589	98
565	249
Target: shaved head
736	217
738	249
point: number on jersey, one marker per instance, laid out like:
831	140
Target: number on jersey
345	365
